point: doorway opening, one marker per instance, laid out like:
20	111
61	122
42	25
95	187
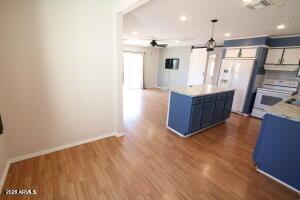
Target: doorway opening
133	83
133	70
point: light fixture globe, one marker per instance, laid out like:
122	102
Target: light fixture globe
211	43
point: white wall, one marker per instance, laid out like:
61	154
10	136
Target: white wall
169	78
151	57
58	72
3	159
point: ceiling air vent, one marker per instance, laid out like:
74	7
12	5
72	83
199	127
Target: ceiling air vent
258	4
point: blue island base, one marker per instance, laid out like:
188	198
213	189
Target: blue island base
190	115
277	150
199	131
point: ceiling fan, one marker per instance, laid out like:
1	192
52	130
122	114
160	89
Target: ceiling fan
154	43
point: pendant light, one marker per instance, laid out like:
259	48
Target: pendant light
211	44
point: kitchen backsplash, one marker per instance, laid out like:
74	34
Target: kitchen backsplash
282	75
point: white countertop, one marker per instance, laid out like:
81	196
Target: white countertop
286	110
200	90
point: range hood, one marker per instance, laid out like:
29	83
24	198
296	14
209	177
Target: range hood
288	68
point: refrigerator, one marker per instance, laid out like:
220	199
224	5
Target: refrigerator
236	74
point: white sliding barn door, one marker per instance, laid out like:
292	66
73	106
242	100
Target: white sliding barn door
197	67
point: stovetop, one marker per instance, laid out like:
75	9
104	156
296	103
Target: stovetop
277	91
282	86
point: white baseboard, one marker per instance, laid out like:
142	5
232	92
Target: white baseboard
162	88
66	146
4	175
119	134
277	180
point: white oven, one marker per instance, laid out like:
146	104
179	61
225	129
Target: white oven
273	92
266	98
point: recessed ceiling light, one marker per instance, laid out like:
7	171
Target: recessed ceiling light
247	1
177	41
281	26
227	34
135	33
183	18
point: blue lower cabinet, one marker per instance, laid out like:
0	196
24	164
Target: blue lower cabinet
191	114
277	150
208	113
196	117
227	108
219	111
179	113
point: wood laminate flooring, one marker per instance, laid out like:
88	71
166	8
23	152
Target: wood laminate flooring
150	162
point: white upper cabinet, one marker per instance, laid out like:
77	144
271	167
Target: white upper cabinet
248	53
291	56
274	56
232	53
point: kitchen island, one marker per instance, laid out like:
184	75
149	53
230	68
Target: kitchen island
195	109
277	148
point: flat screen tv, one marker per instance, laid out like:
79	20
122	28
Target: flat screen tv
172	63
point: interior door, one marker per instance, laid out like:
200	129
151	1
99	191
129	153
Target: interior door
291	56
213	66
210	71
274	56
197	66
240	82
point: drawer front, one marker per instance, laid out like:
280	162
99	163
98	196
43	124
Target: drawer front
198	100
230	94
210	98
221	96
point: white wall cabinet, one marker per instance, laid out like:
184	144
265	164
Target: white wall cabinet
241	53
274	56
232	53
291	56
248	53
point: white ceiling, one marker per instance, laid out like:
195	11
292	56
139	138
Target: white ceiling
160	19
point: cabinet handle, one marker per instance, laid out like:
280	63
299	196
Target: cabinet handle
1	126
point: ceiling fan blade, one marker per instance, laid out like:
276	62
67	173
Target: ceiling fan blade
162	45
